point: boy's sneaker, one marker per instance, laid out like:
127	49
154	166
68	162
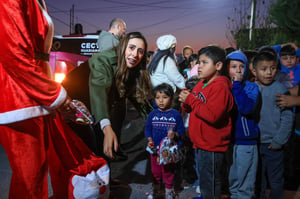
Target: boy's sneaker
185	185
170	194
198	189
156	192
156	196
150	196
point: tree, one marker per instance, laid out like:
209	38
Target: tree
285	14
238	26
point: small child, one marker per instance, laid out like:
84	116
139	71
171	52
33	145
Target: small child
192	70
275	125
289	64
163	122
242	173
210	104
248	75
280	76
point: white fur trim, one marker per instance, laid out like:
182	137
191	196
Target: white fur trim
60	99
32	112
22	114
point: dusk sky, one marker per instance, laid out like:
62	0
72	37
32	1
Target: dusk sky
193	22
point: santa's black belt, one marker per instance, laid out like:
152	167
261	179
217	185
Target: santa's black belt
41	56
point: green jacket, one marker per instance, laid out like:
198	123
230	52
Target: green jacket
103	66
104	97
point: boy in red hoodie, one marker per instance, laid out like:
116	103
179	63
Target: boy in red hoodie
210	104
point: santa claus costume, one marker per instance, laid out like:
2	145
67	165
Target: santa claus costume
33	133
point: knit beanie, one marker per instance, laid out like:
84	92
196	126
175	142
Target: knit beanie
166	41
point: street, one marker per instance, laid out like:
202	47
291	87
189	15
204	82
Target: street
134	174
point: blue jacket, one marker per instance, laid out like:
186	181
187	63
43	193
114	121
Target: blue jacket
247	101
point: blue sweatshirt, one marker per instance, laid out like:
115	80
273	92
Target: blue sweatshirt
275	123
246	96
160	122
294	72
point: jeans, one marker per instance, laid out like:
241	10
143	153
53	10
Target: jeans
210	167
242	173
272	169
197	182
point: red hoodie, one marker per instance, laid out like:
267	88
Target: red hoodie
210	121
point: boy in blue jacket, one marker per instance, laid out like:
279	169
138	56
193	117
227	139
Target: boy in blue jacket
242	172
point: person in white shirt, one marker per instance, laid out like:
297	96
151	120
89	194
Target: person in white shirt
163	67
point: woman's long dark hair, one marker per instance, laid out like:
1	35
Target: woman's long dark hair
140	73
170	52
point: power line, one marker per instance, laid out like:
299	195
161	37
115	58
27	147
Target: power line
57	19
133	7
186	9
174	18
67	13
152	4
186	26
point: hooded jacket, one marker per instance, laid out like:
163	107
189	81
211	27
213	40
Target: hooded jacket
247	100
247	106
210	109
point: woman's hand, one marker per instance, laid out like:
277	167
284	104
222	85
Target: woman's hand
110	142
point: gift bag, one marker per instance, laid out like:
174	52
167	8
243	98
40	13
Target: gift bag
169	151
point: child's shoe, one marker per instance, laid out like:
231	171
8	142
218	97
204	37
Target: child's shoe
198	189
170	194
156	192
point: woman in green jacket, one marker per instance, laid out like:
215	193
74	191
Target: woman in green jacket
116	75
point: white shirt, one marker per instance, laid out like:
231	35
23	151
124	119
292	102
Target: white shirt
167	73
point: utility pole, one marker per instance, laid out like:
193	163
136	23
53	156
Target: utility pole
252	19
72	19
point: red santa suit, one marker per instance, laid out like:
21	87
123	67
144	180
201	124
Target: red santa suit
33	134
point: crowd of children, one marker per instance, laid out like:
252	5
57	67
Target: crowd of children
240	107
